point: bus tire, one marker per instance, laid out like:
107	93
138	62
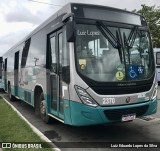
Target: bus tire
11	97
46	118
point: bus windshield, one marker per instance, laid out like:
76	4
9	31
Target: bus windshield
111	54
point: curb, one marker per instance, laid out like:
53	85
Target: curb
40	134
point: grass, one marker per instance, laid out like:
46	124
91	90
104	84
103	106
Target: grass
14	129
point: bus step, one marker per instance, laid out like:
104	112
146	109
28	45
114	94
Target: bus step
17	97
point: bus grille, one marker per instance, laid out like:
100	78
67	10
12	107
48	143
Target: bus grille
114	90
116	114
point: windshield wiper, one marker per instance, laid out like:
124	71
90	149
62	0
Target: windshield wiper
128	43
119	47
114	41
132	37
127	46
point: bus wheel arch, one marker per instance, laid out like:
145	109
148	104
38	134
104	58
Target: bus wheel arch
11	97
37	91
39	104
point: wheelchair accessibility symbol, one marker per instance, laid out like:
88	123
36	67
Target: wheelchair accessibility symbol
133	72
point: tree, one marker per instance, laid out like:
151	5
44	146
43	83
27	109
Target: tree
152	15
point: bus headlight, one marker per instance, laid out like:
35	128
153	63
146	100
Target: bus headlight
154	94
85	97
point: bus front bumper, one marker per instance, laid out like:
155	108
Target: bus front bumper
82	114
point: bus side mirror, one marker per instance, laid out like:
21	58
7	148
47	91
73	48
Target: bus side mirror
70	31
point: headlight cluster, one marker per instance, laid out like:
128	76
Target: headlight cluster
85	97
154	94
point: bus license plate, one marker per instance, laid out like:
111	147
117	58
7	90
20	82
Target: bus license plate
128	117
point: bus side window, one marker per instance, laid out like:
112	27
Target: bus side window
25	53
3	66
158	58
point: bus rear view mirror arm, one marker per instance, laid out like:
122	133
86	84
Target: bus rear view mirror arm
70	31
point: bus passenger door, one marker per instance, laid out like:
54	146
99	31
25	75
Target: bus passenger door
59	48
55	75
16	72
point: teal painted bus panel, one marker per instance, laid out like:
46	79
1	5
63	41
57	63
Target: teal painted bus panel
16	92
48	106
152	107
67	112
82	115
151	110
5	85
21	94
66	117
79	114
32	98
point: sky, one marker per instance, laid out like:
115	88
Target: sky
19	17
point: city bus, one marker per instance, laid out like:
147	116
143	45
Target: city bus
85	65
157	61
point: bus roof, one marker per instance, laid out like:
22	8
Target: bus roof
71	8
81	10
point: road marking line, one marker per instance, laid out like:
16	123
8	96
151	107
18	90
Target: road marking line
40	134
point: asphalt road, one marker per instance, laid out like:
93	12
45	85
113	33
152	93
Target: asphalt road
139	130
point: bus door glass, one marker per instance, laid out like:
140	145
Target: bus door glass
60	106
56	74
16	72
158	58
158	65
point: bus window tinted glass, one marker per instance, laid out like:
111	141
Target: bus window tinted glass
158	58
95	55
139	57
25	53
110	15
53	54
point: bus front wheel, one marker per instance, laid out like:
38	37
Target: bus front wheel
46	118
